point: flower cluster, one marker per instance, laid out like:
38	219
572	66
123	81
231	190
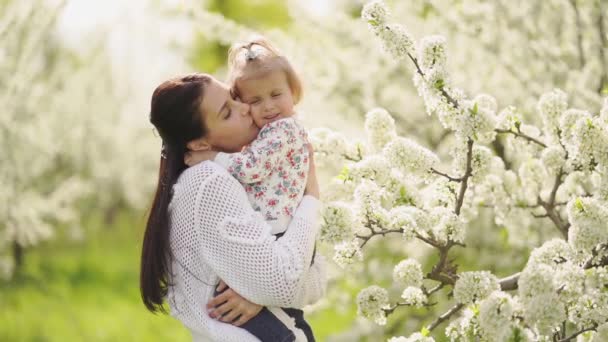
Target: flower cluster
414	296
347	252
408	273
372	303
337	222
474	286
408	156
379	127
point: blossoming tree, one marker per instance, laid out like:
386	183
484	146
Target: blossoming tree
558	176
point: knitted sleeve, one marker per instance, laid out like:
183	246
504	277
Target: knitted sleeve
315	283
256	161
238	245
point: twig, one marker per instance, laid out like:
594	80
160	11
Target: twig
465	178
602	48
445	316
521	135
579	34
509	283
453	179
571	337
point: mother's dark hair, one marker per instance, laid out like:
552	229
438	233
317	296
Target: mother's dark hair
175	113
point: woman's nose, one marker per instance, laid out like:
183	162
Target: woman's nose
244	109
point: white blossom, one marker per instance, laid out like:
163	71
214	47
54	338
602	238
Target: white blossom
406	218
408	273
415	337
396	40
552	253
536	287
374	167
379	127
448	226
465	328
347	252
551	106
431	52
588	218
375	12
327	141
487	102
495	316
590	308
474	286
338	222
553	158
602	333
371	303
368	198
407	155
414	296
509	118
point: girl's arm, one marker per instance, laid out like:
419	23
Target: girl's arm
256	161
238	245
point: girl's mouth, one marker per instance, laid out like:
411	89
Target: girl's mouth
272	116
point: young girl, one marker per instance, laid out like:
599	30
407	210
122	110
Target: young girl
274	167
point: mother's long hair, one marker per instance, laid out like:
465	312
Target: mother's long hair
176	114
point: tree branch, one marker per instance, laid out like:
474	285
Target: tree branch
603	47
579	34
445	316
453	179
521	135
573	336
465	178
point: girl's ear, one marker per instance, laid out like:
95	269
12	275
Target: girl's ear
200	144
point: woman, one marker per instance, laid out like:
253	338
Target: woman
202	229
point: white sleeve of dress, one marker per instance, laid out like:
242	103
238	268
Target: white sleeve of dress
315	283
238	245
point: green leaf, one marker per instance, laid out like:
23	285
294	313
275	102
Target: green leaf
343	176
425	332
475	109
439	84
578	204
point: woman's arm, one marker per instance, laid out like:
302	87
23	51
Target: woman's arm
237	243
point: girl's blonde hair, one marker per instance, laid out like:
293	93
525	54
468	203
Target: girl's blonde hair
257	57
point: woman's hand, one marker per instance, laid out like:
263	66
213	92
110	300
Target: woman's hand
194	157
312	184
229	305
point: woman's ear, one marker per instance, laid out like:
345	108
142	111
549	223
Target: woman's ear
200	144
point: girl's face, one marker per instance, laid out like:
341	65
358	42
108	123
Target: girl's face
228	122
269	96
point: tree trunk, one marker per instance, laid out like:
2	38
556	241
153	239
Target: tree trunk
18	255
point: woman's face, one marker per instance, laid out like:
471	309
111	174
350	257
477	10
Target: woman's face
228	122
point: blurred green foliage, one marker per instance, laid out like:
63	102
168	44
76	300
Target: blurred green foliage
208	56
89	291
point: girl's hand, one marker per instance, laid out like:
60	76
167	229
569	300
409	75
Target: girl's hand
230	307
194	157
312	184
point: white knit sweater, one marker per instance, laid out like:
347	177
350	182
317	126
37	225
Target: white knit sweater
215	234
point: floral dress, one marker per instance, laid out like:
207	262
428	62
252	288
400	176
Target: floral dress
273	170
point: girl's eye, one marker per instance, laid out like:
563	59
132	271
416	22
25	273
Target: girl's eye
228	114
276	95
254	102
